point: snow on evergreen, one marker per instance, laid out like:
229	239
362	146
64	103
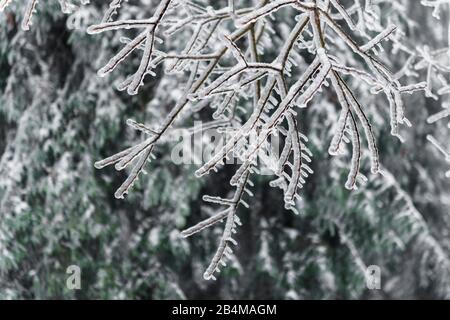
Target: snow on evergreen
325	77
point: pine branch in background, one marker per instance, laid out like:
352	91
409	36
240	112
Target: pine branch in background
271	70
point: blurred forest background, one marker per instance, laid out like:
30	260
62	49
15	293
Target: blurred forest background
57	117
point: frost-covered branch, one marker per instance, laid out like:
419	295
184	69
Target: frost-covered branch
224	62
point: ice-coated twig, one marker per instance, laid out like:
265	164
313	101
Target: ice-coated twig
114	6
436	5
356	155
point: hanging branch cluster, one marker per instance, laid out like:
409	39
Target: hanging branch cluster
66	7
437	65
279	88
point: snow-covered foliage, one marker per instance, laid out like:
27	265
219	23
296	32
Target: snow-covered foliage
66	7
